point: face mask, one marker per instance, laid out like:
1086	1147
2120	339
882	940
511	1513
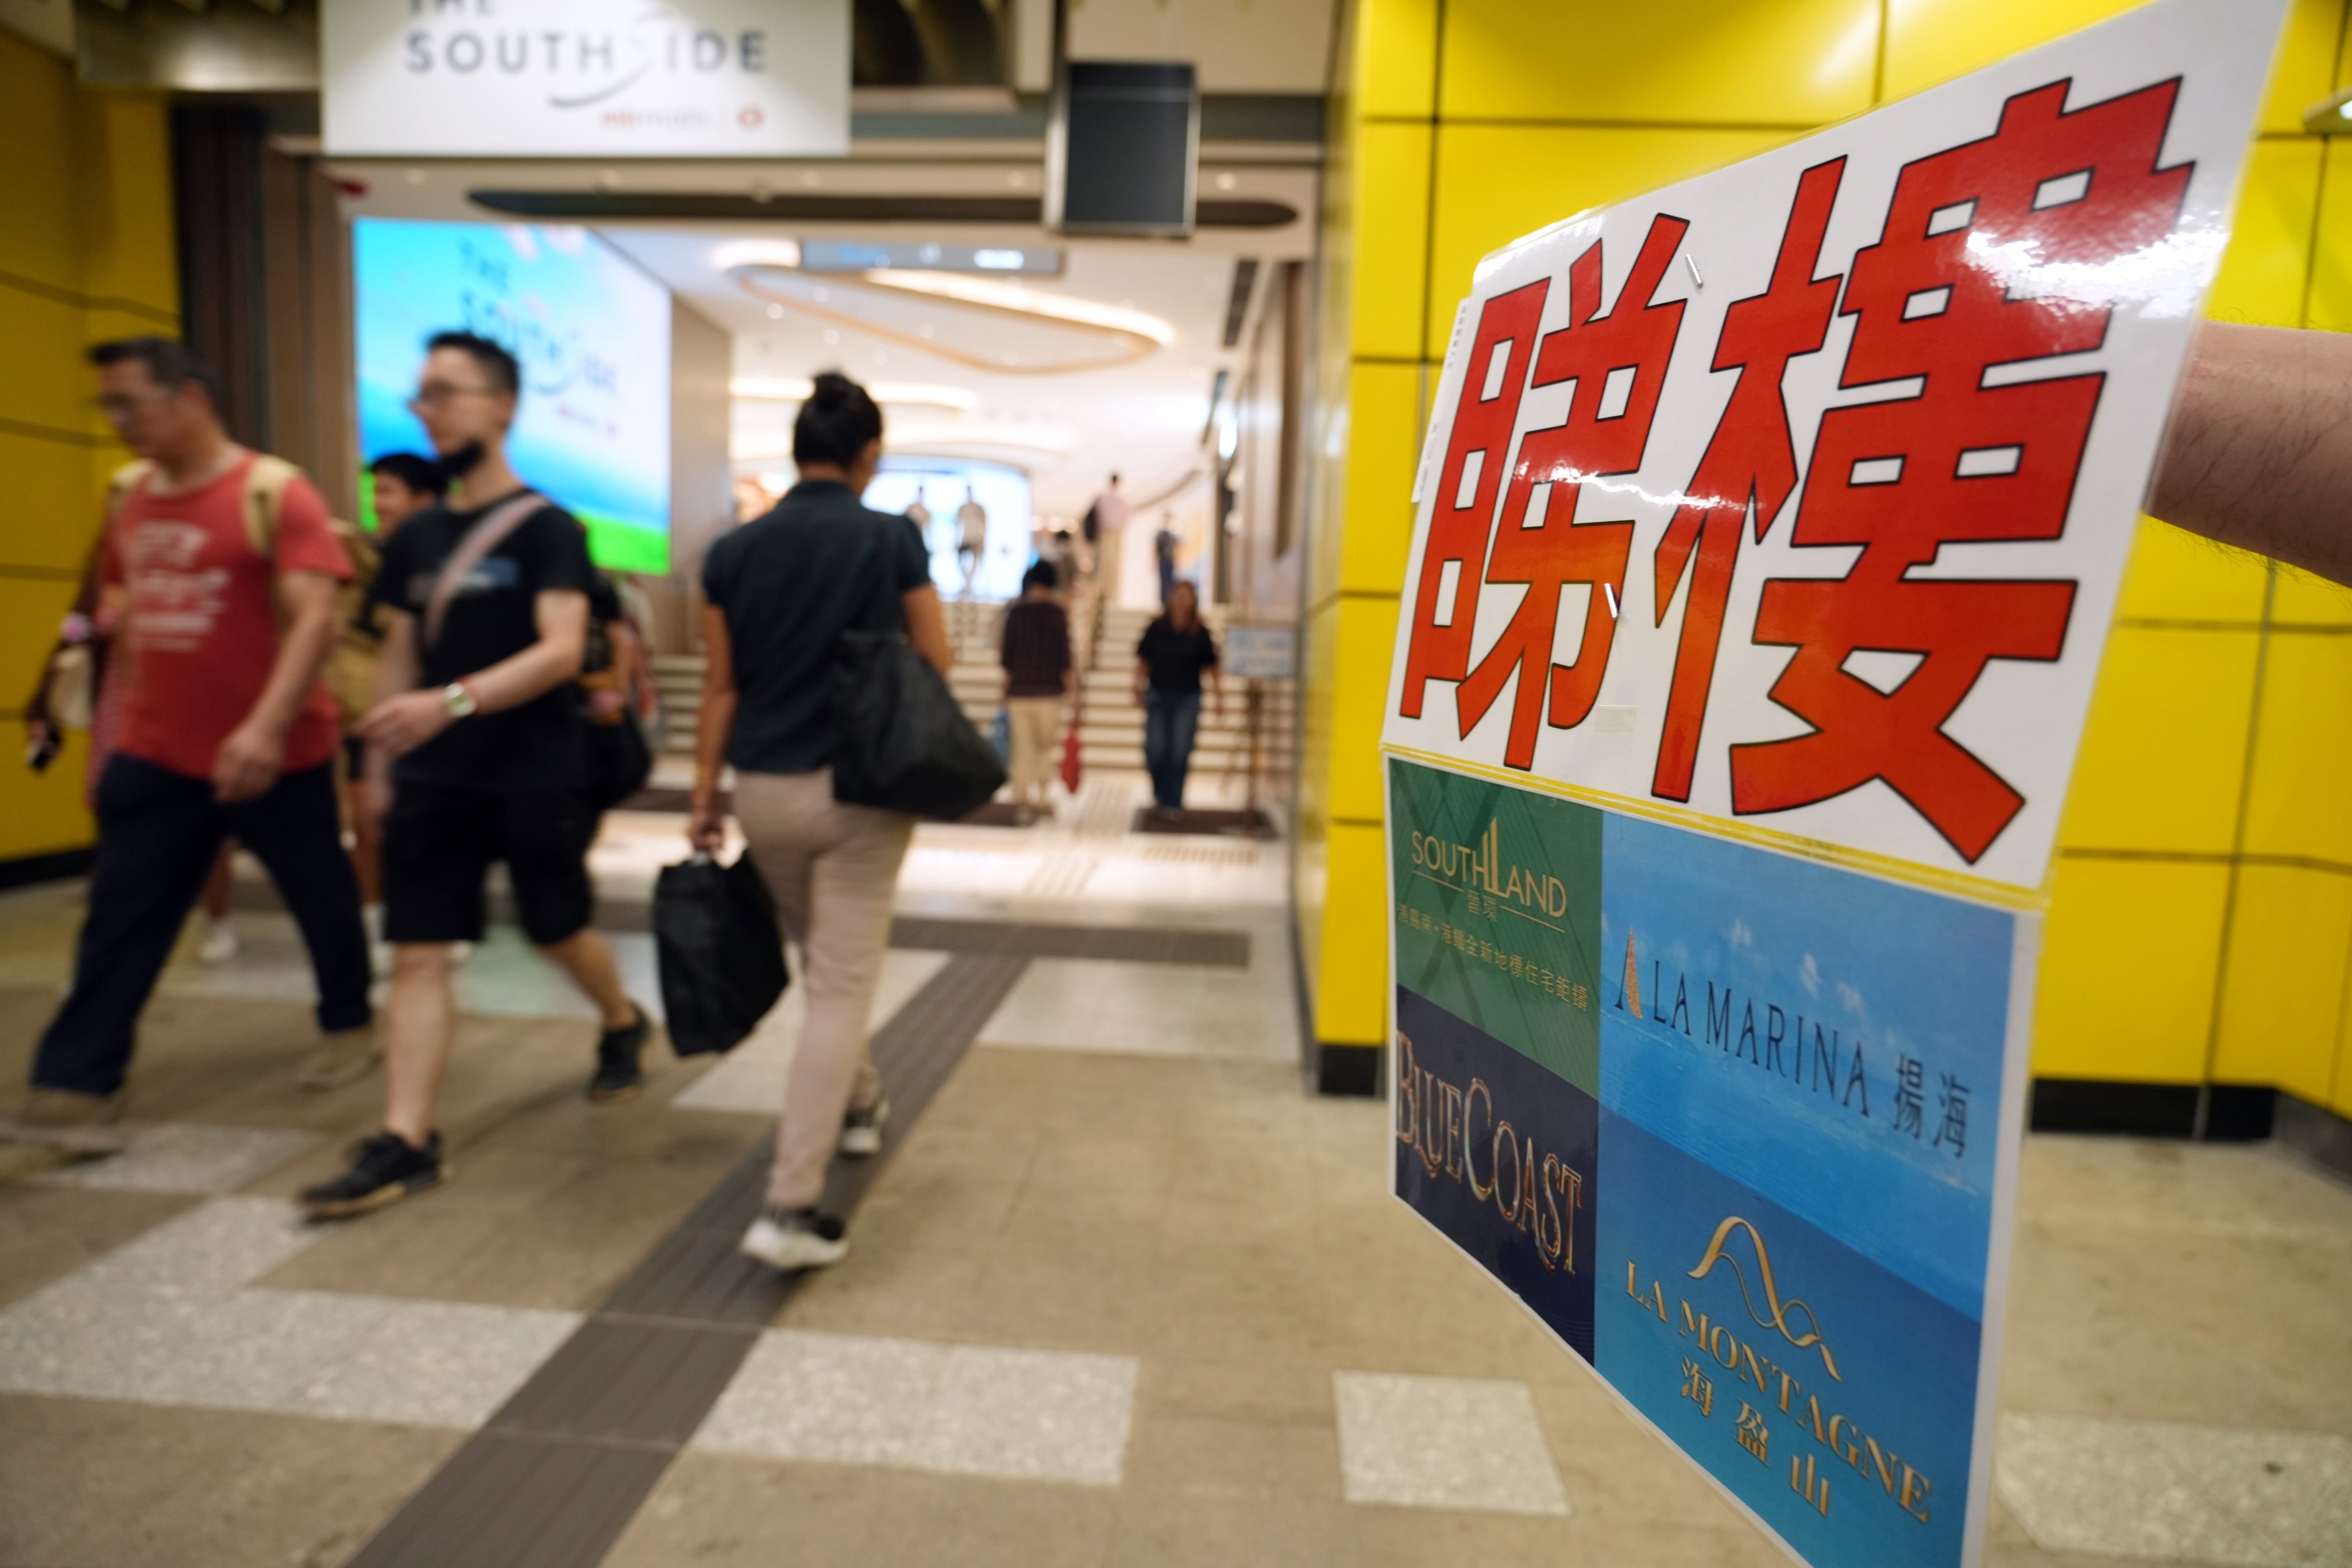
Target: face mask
457	464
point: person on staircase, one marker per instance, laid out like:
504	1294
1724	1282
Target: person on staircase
1176	651
1039	681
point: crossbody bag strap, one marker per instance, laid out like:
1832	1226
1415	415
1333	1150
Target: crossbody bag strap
481	539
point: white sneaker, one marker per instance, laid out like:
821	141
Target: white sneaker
220	942
861	1131
792	1239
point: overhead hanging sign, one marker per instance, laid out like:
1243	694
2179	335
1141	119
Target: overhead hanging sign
1769	529
585	79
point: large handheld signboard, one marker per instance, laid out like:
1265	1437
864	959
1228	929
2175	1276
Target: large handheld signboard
1770	526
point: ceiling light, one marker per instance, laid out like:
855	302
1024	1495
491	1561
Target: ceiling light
2331	116
995	260
775	313
890	394
831	336
1000	296
756	253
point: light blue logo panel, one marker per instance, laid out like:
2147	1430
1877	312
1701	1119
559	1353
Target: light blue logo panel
1827	1038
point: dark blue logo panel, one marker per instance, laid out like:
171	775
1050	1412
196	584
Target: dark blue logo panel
1502	1156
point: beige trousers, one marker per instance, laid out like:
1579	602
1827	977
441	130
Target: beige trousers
1036	726
833	869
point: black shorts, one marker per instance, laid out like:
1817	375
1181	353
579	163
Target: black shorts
439	843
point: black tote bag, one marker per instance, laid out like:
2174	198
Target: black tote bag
904	743
721	952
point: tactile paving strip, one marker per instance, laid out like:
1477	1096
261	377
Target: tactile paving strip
564	1467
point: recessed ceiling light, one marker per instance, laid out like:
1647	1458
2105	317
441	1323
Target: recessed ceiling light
831	336
775	313
756	253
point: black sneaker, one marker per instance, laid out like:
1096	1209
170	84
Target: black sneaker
618	1075
385	1169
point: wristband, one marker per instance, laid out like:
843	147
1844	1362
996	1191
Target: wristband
458	699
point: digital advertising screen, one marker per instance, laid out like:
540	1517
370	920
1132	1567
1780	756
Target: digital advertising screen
592	333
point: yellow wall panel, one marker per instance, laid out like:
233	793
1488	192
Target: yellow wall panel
1322	658
1351	992
2331	267
2303	71
2176	576
45	813
2263	273
1928	41
2302	600
37	236
2127	970
46	383
2282	1008
1383	446
2164	748
1790	62
1367	635
1396	54
131	249
30	609
1391	258
2299	800
1497	183
47	516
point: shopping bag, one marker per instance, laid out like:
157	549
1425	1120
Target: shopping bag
1071	770
720	952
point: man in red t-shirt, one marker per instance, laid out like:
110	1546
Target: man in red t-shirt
226	568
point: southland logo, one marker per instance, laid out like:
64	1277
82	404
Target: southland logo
1776	1386
580	64
1456	1130
1478	868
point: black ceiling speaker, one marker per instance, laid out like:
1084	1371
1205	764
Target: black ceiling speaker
1123	148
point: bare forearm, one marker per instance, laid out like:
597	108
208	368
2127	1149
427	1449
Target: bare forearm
712	726
301	654
2260	453
535	671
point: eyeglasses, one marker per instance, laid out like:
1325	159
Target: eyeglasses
434	394
121	406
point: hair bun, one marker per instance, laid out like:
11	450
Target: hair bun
833	387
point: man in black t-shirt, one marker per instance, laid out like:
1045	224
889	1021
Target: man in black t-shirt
477	751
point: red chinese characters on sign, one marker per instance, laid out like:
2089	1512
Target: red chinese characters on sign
1463	513
1996	253
1618	362
1749	461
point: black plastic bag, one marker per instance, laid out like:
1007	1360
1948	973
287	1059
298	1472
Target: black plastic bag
722	956
905	743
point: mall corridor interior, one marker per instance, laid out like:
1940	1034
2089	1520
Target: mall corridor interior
1191	1226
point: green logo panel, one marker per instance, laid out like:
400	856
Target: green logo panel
1498	911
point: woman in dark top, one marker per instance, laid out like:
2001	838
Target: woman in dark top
1038	683
782	589
1175	652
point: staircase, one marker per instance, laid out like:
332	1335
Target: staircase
1111	732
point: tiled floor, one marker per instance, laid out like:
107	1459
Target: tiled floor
1125	1297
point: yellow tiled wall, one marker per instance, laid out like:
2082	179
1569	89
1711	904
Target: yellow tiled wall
2201	916
87	253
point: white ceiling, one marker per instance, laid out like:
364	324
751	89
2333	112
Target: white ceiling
1142	418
